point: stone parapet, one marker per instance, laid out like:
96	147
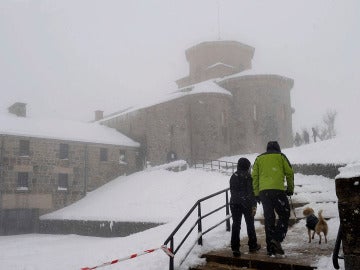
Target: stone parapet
94	228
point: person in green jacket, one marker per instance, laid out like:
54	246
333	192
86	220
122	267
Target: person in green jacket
270	171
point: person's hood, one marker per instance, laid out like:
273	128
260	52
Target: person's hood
273	146
243	164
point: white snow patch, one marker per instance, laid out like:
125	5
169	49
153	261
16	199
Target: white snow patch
350	171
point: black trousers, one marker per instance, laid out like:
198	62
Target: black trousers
275	201
237	211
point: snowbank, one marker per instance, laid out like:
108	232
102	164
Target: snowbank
350	171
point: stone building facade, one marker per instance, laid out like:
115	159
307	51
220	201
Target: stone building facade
221	108
42	174
177	126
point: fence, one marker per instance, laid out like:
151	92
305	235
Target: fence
220	165
198	223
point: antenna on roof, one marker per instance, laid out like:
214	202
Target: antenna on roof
218	19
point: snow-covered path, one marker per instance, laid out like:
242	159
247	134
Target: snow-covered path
37	252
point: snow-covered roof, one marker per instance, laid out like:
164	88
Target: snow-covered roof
219	64
200	88
61	129
251	73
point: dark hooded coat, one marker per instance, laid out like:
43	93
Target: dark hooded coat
241	187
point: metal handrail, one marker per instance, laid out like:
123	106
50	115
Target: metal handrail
198	223
214	164
335	256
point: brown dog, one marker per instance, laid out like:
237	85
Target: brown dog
315	224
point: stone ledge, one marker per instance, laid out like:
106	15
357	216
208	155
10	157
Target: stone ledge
326	170
94	228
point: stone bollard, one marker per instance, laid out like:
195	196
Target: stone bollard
348	193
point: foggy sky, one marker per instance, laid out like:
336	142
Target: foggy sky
67	58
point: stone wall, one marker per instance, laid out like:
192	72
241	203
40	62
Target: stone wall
19	221
94	228
193	126
159	129
83	167
261	112
210	126
326	170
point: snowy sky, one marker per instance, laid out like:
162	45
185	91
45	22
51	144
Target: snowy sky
68	58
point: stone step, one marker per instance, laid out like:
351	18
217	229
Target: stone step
298	204
292	221
225	260
219	266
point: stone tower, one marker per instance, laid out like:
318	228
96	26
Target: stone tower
214	59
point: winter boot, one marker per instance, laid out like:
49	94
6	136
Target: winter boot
255	248
276	247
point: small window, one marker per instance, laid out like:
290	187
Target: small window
63	181
103	154
64	151
24	148
122	156
23	180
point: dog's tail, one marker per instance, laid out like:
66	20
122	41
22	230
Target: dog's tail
322	222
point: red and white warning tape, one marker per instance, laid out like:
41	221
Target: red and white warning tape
132	256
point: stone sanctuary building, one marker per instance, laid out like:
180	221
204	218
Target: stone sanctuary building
46	165
221	108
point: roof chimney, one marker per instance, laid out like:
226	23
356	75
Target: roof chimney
99	115
18	109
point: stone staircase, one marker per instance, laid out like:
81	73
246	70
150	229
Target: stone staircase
300	254
297	257
224	261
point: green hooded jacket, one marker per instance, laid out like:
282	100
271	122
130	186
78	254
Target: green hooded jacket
270	171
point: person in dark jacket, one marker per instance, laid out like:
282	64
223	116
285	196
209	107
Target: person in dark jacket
242	202
270	171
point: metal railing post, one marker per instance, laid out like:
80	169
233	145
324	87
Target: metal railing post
227	212
171	264
335	256
199	224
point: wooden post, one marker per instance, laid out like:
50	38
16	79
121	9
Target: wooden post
348	193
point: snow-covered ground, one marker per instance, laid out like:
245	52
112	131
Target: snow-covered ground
159	195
